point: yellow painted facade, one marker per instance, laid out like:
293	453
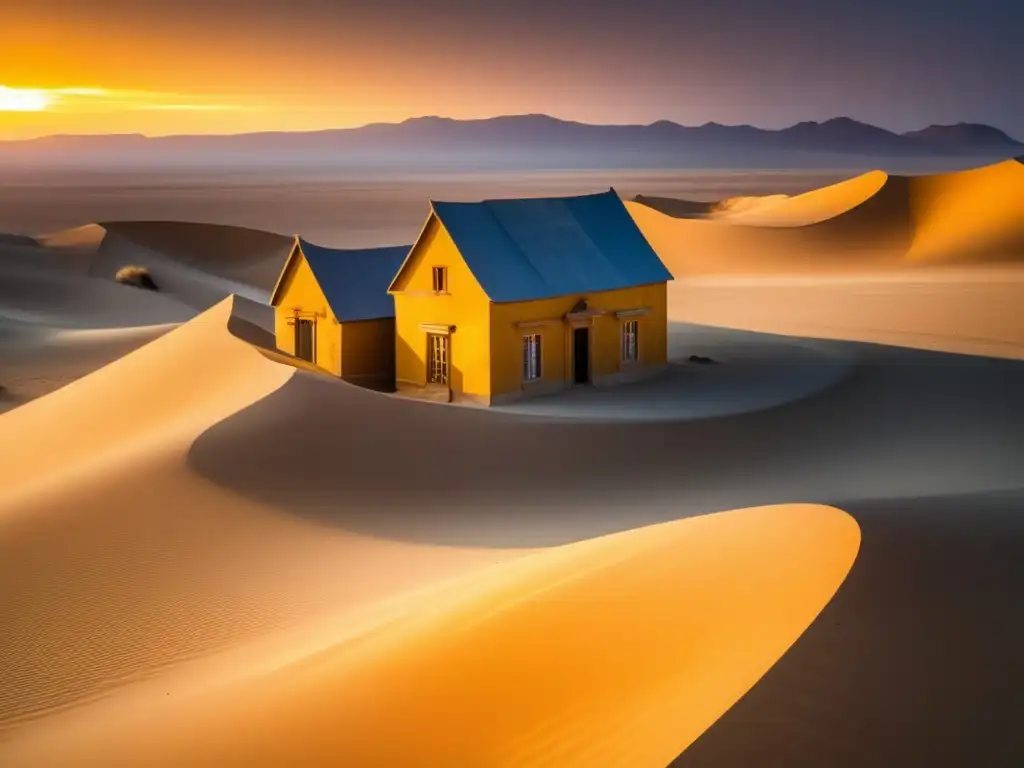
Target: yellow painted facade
360	352
647	304
299	295
486	343
465	306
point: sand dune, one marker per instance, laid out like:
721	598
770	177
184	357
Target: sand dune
38	361
23	241
199	264
216	556
243	552
58	324
870	235
971	311
199	288
975	215
196	569
86	238
613	651
54	297
234	253
192	567
64	282
809	208
873	221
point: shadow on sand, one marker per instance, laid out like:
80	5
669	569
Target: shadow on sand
903	424
916	662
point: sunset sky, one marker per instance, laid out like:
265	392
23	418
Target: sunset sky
227	66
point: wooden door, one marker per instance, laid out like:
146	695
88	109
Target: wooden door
437	359
305	339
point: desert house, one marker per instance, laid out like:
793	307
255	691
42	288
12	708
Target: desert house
504	298
332	309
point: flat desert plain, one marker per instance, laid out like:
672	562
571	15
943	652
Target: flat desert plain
808	554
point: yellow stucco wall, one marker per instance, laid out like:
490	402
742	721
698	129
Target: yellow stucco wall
361	352
464	306
556	338
368	353
301	292
487	346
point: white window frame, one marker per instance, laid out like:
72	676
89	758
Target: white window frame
630	345
533	357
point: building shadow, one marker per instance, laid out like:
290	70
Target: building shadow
915	662
903	423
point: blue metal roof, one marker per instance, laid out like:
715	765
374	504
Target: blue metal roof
535	248
355	282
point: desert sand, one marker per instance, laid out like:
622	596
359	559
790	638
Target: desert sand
872	222
807	554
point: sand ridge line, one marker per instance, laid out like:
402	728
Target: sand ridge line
566	616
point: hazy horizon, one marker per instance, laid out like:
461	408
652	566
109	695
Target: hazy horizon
358	211
492	117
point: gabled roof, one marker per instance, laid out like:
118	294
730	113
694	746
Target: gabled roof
535	248
354	282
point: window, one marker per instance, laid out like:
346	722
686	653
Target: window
437	359
305	340
531	357
440	279
629	345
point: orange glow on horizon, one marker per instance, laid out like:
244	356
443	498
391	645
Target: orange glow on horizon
109	75
104	100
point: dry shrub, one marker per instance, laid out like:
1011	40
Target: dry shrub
136	276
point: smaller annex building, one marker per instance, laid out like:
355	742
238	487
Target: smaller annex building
501	299
332	308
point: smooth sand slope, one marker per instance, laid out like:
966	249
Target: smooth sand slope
619	650
195	263
198	264
153	565
62	316
916	442
965	310
57	324
236	254
117	560
202	553
874	221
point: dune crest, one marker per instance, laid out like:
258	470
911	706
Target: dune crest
86	238
872	221
198	264
809	208
120	561
116	404
640	640
975	215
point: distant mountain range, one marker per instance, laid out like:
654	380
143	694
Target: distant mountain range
534	141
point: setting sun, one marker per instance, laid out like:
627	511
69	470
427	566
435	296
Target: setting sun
23	100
